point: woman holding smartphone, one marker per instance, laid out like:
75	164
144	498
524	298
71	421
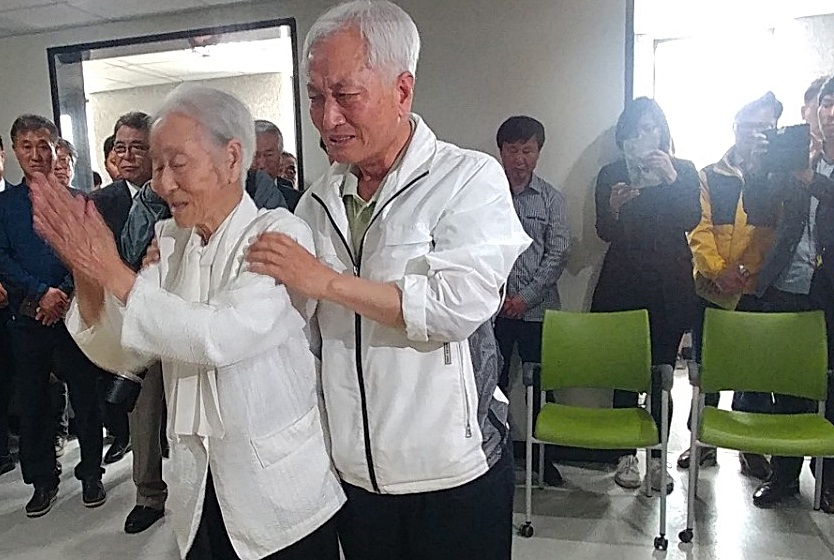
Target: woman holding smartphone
646	202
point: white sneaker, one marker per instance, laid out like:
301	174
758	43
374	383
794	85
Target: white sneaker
654	475
627	475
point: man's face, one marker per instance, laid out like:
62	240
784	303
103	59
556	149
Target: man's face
289	168
826	118
111	165
268	150
34	150
64	167
356	110
519	160
749	128
131	147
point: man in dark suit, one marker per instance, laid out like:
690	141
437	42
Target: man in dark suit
268	150
131	144
39	288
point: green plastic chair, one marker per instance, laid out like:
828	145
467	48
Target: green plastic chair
769	353
595	350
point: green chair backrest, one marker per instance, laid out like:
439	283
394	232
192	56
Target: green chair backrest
597	350
767	352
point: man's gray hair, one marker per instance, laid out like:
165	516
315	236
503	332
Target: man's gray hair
223	115
263	126
392	39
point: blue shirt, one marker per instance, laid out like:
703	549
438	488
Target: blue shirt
28	266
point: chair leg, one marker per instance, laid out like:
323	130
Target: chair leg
647	486
543	397
694	464
528	468
818	483
661	542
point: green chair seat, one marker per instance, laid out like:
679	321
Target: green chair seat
596	428
791	435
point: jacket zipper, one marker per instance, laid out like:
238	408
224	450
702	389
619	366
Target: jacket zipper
464	392
357	271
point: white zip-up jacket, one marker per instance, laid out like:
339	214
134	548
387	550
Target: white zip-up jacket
405	410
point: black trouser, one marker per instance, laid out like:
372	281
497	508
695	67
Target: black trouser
470	521
38	350
665	340
212	541
527	335
6	383
59	401
115	420
786	469
822	295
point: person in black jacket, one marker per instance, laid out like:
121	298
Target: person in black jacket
797	272
130	144
648	264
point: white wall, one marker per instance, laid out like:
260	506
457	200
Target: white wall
259	91
561	61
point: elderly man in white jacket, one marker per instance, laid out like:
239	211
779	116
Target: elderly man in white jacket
250	476
415	238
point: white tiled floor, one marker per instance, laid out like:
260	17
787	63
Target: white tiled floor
590	518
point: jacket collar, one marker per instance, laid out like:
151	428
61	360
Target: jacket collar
726	165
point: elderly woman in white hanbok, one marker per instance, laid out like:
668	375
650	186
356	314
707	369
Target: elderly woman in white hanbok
250	476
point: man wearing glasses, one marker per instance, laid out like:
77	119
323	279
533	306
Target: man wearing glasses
131	137
728	251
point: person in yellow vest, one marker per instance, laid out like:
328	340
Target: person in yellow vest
728	252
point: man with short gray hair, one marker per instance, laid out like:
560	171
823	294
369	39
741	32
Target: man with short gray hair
415	238
269	146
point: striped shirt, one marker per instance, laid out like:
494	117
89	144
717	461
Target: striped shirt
542	211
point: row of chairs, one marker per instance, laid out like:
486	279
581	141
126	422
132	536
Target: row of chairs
763	352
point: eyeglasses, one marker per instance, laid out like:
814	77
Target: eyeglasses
135	149
754	126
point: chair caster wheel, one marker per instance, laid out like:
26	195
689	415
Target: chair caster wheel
685	535
661	543
526	530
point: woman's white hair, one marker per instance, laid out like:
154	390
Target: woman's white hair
224	116
392	39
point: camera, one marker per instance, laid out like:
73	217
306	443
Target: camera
788	148
123	391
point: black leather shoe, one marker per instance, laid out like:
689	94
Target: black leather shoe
117	451
92	492
42	501
754	465
141	518
6	464
774	491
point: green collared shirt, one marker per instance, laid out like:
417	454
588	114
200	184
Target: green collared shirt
359	211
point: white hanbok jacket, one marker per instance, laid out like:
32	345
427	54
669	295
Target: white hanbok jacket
240	382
